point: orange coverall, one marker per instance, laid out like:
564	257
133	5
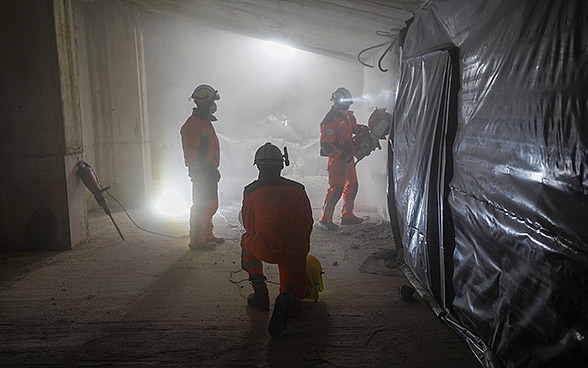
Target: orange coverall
336	142
202	157
277	215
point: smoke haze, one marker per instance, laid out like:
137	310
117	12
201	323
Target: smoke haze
262	99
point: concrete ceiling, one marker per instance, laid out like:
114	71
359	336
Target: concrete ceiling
337	28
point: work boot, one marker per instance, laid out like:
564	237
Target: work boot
351	220
207	245
282	307
216	240
327	226
259	299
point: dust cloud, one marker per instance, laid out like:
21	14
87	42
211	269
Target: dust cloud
281	100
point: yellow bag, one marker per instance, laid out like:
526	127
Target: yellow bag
315	273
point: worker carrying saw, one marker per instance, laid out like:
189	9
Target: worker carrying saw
202	157
277	217
337	131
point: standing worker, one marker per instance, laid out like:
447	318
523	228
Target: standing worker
202	157
337	130
277	216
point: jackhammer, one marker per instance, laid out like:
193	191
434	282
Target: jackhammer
90	180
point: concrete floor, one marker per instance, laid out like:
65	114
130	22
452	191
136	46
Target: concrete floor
150	301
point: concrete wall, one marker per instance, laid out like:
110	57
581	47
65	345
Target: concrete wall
41	199
113	98
72	69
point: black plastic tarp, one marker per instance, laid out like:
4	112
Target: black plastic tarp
489	172
417	131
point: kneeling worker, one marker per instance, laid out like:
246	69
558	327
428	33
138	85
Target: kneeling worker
277	216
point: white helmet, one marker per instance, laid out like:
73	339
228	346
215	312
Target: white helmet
205	93
342	97
268	154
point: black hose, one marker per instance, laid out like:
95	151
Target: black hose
234	227
368	49
247	279
382	57
388	34
147	231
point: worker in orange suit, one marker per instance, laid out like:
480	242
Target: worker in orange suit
202	157
277	216
337	130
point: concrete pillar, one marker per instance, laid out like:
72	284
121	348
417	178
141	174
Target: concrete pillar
42	203
114	98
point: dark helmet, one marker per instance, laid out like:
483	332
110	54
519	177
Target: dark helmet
342	97
205	93
268	154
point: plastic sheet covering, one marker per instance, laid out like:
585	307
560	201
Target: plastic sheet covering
518	191
421	115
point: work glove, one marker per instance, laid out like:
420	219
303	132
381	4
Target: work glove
197	179
211	173
347	157
363	129
204	172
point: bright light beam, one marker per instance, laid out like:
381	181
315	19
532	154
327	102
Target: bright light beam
278	50
171	203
